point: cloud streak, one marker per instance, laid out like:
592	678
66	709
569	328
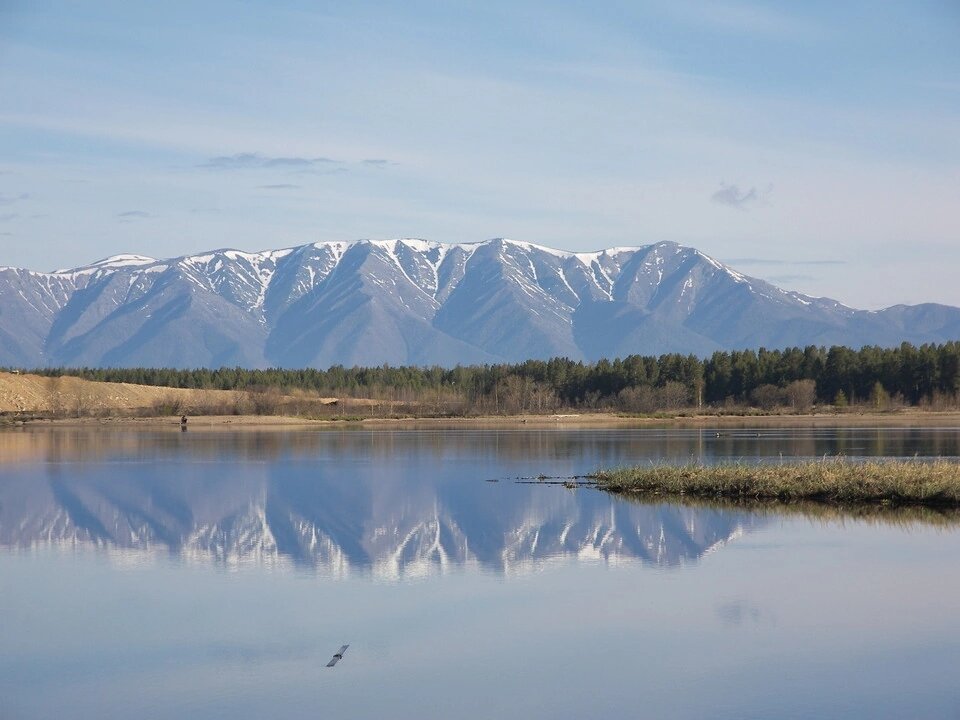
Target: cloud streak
781	263
790	278
295	164
745	18
133	215
11	199
733	196
254	161
279	186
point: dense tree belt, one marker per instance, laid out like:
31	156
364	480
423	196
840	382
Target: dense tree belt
795	377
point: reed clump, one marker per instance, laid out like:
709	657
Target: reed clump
835	481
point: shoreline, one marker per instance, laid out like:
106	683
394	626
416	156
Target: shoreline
913	418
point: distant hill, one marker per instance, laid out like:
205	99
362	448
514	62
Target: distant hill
422	303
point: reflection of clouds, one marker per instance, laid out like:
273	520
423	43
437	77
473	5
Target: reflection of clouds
738	612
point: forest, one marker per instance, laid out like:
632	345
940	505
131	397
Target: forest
795	378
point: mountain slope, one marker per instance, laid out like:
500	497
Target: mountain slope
417	302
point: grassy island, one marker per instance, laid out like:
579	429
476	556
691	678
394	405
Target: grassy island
830	481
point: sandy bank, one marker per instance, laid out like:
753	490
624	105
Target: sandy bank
913	418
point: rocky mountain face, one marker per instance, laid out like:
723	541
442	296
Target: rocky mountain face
417	302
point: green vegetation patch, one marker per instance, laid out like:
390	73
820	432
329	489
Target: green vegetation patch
835	481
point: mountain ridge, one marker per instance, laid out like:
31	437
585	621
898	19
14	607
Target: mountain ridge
420	302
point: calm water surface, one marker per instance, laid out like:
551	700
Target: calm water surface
212	574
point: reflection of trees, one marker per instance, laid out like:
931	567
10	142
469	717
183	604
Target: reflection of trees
79	444
904	516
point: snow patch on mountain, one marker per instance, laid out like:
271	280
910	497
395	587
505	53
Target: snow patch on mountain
409	300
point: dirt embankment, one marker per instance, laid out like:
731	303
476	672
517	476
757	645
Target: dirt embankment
70	395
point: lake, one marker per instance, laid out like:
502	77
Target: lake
214	573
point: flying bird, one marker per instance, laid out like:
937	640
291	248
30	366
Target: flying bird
337	656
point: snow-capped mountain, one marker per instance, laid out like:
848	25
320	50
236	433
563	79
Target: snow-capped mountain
416	302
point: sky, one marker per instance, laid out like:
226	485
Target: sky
815	144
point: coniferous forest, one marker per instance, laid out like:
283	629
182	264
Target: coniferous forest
796	378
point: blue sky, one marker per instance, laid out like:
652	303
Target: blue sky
815	144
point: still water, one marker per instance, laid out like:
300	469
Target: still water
213	574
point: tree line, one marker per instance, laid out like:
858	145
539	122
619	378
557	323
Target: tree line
795	377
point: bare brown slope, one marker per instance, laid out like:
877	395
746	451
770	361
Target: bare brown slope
34	393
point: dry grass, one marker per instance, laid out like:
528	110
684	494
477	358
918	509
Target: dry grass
24	396
832	481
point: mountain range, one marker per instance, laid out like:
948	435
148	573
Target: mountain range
408	301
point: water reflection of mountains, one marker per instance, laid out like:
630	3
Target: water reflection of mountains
347	510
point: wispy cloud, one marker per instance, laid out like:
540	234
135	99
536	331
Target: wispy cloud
248	161
742	17
733	196
292	164
780	263
279	186
7	217
11	199
947	85
133	215
790	278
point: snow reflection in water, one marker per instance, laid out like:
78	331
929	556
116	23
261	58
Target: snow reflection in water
458	597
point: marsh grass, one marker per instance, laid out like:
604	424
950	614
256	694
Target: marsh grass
833	481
